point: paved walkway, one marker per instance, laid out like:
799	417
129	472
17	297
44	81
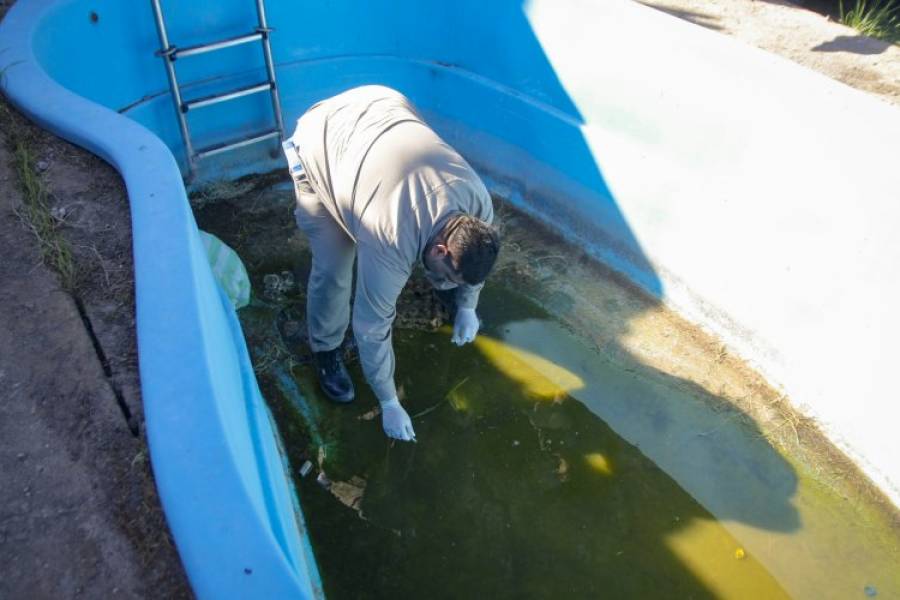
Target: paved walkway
79	516
802	36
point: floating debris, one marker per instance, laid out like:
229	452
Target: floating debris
349	493
456	400
368	416
740	554
871	592
306	468
277	285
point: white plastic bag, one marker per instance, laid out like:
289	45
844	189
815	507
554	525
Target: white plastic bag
228	269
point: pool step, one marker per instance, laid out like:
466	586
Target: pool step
221	44
238	143
171	53
216	98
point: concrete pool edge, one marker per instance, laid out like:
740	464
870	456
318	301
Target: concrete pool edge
192	459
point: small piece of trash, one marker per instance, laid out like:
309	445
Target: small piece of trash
306	468
515	442
278	284
871	592
368	416
42	165
740	554
324	481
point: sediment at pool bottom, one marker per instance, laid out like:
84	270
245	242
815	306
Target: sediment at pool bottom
556	454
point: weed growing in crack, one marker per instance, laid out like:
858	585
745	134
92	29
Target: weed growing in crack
35	213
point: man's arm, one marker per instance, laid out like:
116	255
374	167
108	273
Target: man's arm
466	323
378	284
467	295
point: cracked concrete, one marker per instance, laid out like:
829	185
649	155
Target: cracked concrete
79	516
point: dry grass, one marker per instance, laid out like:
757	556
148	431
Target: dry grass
34	212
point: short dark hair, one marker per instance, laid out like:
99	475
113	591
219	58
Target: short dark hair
473	246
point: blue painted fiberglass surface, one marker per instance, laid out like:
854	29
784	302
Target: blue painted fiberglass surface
87	71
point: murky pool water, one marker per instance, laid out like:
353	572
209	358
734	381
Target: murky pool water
545	466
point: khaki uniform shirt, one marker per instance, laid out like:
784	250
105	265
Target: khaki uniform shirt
390	183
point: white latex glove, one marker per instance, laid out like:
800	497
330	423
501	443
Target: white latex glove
465	327
396	421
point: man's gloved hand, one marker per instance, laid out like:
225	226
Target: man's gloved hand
396	421
465	327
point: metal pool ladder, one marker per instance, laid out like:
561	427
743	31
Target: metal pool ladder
170	53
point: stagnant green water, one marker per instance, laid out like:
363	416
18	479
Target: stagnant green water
542	469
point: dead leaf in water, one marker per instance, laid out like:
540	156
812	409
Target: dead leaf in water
349	493
562	471
368	416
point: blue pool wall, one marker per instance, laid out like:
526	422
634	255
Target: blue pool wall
486	87
476	71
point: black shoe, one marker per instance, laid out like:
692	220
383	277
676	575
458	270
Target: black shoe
333	377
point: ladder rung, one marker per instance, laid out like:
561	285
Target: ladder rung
216	98
226	43
237	144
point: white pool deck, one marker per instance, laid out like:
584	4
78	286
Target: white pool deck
769	211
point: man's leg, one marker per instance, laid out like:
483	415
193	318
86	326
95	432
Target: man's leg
328	292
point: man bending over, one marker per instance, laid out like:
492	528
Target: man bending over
374	182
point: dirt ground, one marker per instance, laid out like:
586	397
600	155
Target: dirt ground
801	35
79	515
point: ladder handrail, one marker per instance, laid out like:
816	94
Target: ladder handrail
170	53
173	82
270	65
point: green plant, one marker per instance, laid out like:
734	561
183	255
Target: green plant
875	18
34	212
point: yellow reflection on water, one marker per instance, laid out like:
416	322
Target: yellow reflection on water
718	560
538	376
599	463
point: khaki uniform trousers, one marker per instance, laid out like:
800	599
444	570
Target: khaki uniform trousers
331	277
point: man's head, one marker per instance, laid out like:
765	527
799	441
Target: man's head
464	251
